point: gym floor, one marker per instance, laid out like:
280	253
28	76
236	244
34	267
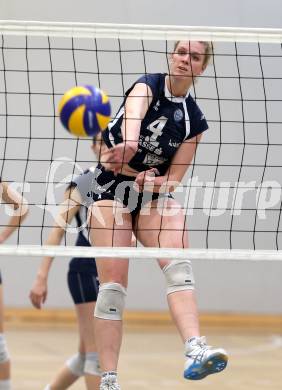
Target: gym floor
151	357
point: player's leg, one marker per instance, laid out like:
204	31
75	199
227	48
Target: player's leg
5	381
85	319
85	362
66	376
83	288
73	368
113	273
156	230
168	230
85	305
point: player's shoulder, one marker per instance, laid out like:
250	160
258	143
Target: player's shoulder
154	80
198	122
192	105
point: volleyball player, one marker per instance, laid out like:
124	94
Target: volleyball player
151	141
16	202
83	285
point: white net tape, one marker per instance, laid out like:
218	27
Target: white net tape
131	31
141	253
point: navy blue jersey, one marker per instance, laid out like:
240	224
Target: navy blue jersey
168	122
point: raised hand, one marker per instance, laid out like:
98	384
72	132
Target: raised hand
146	179
113	159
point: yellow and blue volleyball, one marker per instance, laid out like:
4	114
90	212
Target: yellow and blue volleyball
85	110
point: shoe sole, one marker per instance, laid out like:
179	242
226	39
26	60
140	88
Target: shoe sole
213	365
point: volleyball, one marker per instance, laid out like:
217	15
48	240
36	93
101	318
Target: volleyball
84	110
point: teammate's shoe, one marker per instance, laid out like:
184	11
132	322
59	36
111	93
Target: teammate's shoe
203	360
109	381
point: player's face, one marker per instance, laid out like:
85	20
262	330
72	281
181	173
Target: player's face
188	59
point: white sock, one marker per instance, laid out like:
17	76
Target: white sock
109	373
5	384
47	387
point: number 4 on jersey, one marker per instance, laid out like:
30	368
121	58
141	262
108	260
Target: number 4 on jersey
156	128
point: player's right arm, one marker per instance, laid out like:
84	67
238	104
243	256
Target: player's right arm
135	109
68	208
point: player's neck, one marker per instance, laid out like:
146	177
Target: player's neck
177	87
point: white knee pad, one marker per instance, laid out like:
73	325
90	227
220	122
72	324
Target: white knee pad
179	276
76	364
91	365
110	302
4	355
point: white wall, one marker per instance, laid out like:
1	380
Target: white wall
246	287
244	13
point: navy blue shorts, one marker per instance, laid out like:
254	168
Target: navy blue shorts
83	286
123	190
83	277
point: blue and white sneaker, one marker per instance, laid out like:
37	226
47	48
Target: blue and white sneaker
202	360
109	381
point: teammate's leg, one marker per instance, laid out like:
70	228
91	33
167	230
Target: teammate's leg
69	373
85	362
85	319
83	287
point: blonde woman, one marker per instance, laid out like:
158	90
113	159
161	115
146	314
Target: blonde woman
151	143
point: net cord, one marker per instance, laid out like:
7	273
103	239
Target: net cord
141	253
135	31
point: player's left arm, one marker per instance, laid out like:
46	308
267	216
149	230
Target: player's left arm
19	206
178	167
182	160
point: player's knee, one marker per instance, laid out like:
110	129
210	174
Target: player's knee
76	364
91	365
179	276
4	354
110	302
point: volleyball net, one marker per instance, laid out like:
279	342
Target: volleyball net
233	190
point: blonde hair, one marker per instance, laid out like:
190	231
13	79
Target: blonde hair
208	50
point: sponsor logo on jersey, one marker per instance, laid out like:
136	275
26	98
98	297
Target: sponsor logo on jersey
178	115
174	144
152	159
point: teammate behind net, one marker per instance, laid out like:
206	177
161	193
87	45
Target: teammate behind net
16	202
151	141
83	285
